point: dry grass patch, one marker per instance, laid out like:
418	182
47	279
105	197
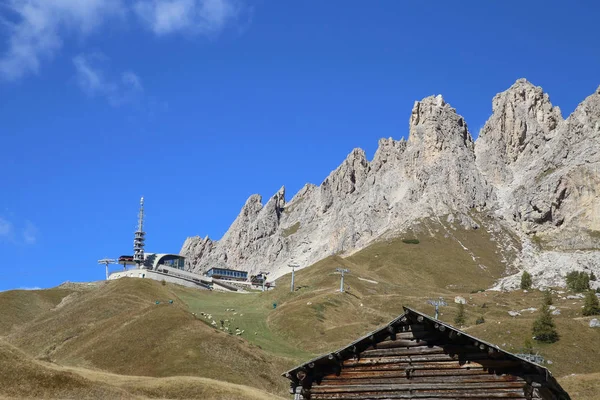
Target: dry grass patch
22	306
582	387
119	328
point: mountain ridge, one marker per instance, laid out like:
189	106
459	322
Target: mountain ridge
531	171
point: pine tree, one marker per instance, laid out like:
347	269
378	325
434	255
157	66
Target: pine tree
578	281
544	329
592	276
460	317
528	347
591	305
526	280
547	297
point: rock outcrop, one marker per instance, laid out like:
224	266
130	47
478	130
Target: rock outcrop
534	172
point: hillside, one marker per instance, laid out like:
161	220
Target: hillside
119	328
531	173
582	387
23	377
22	306
113	339
383	277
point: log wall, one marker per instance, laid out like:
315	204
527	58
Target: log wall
414	364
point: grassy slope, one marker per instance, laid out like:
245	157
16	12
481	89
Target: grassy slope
23	377
119	328
22	306
405	274
316	318
582	387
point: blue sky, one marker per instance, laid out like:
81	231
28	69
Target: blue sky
197	104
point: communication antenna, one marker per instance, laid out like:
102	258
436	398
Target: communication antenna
437	304
107	261
293	267
140	238
342	271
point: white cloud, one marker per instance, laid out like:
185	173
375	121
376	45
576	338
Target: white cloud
18	234
30	233
206	17
91	79
36	27
33	31
6	228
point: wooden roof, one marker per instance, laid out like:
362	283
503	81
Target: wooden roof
491	358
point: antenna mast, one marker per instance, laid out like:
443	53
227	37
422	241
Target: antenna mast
140	238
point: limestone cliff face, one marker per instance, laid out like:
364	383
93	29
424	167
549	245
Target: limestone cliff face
523	120
534	171
544	169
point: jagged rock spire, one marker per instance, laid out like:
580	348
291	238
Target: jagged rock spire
529	168
523	119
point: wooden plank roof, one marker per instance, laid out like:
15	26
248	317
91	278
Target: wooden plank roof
326	364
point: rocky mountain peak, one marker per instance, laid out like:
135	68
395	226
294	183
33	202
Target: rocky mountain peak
345	179
276	203
529	171
251	207
388	151
585	120
524	101
434	123
522	122
425	108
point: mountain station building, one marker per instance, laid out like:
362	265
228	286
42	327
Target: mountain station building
167	267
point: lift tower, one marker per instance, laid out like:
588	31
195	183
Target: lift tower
140	238
293	267
342	271
437	304
107	261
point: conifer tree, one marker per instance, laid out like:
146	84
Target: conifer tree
578	281
460	317
526	280
544	329
591	305
528	347
547	297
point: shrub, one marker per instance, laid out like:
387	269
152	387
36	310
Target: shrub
544	329
528	347
484	305
578	281
291	230
411	241
479	320
547	297
592	276
526	281
163	282
460	317
591	305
